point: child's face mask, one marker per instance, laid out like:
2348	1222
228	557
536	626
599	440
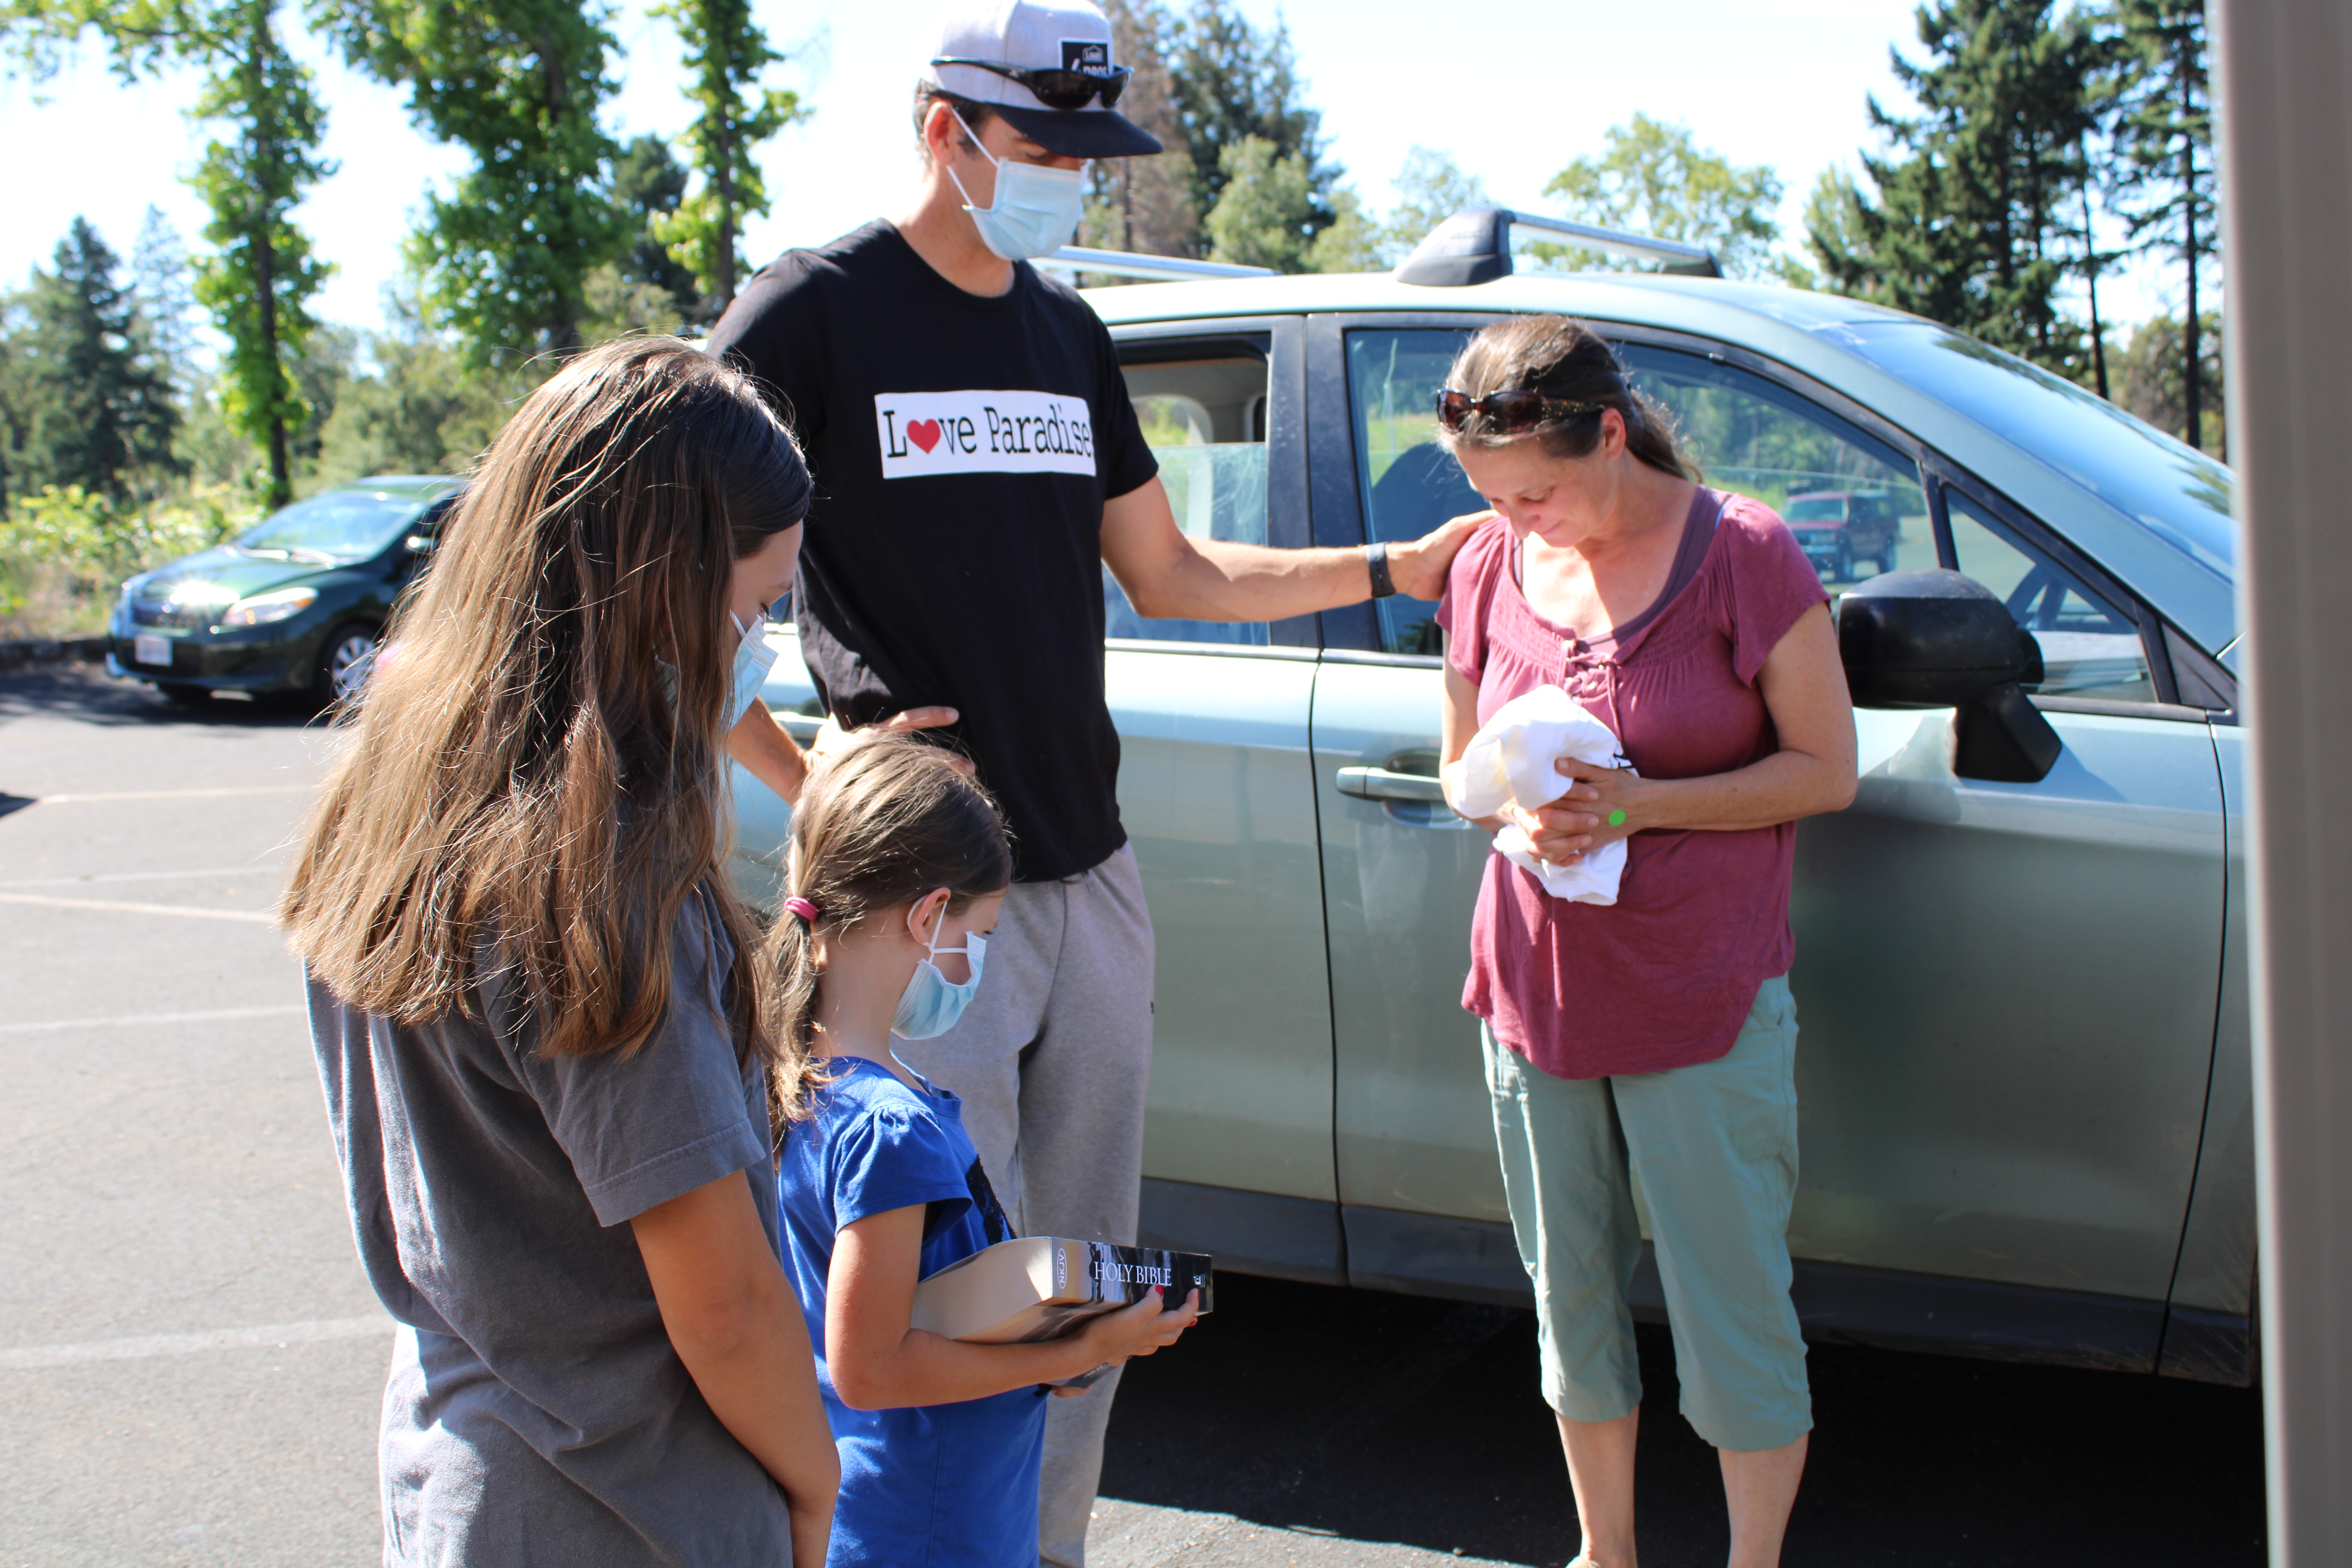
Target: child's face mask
931	1003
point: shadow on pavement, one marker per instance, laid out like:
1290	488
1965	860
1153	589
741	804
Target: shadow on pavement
86	693
1393	1418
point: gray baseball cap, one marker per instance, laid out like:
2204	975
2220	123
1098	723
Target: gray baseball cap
1044	66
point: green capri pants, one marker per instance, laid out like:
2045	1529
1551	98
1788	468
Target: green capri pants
1715	1149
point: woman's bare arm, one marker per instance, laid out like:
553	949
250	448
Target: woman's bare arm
879	1361
735	1324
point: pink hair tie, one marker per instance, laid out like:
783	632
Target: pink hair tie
801	907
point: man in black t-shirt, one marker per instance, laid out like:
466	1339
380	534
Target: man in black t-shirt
978	463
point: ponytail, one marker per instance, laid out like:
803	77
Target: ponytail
878	827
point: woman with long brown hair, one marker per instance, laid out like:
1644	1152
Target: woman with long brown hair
535	1007
1643	1034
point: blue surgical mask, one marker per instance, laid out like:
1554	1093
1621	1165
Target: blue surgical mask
931	1003
1037	209
753	659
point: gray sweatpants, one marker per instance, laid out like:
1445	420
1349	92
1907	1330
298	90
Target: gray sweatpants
1052	1060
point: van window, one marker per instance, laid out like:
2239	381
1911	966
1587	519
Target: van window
1205	421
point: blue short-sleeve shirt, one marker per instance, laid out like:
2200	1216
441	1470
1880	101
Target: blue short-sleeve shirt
934	1486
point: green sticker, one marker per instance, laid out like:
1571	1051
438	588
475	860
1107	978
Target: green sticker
1616	819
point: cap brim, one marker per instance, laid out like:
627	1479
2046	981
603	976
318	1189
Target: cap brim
1080	133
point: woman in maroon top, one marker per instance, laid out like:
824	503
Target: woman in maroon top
1651	1039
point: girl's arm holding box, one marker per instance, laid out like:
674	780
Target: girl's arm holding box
879	1361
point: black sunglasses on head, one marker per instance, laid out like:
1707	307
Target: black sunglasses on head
1507	413
1063	90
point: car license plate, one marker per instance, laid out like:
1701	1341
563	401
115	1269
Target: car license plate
148	648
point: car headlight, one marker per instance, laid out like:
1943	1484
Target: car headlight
264	608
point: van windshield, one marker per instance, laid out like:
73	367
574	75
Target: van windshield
2175	492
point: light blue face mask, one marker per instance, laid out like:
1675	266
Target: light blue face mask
753	659
931	1003
1037	209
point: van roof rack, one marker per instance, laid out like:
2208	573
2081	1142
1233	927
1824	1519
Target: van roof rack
1158	269
1474	246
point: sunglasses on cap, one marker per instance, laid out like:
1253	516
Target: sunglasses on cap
1507	413
1063	90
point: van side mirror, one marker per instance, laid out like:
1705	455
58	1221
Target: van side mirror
1937	639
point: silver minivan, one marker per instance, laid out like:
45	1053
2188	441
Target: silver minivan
2024	1071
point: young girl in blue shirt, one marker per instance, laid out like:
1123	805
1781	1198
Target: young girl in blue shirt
898	863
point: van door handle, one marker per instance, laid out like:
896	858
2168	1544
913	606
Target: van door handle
1380	784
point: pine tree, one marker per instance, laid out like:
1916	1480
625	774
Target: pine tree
648	183
95	407
520	84
1971	211
2167	184
726	51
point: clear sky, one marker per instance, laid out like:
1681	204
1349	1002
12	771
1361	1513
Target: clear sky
1512	90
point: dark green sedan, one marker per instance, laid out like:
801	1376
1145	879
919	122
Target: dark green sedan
294	604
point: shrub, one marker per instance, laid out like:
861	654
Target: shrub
64	553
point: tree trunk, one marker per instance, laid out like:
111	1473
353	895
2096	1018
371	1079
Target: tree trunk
265	263
2192	333
564	307
2091	277
722	271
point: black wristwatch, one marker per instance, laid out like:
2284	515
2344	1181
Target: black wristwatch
1377	558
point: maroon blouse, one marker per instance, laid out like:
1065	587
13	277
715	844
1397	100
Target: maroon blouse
1664	977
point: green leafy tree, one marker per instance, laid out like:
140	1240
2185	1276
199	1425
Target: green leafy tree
91	405
1968	224
1235	82
2167	181
261	276
1270	215
726	51
2152	370
648	183
507	252
1430	188
1653	178
415	406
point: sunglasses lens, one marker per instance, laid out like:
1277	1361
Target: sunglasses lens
1064	90
1509	413
1453	411
1068	91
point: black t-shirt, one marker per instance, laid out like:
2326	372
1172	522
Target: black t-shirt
963	449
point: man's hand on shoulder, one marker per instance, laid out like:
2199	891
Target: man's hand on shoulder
1418	569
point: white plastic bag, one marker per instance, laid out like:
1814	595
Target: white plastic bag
1511	759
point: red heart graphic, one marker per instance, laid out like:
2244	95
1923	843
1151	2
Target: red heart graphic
923	433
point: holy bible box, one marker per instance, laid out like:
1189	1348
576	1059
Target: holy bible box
1043	1287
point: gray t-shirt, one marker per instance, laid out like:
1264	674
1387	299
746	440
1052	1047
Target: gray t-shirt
536	1413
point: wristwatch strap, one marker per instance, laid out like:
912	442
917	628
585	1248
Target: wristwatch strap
1377	558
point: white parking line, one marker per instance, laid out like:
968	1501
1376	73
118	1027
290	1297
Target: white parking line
29	1357
134	1019
143	877
127	908
167	794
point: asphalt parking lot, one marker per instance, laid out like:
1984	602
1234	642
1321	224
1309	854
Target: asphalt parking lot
190	1360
